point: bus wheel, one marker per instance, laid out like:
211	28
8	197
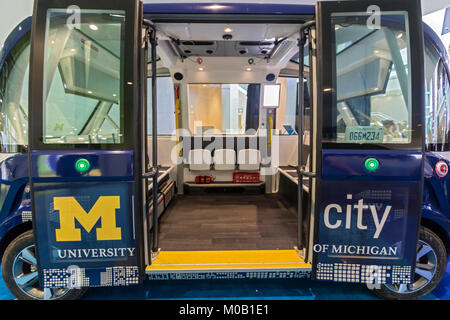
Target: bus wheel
19	269
431	262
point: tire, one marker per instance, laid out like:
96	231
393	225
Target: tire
19	271
430	268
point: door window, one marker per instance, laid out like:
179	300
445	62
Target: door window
371	81
82	79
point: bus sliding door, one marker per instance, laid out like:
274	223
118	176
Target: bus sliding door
370	106
85	142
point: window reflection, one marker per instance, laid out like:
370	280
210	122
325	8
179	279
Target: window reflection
372	82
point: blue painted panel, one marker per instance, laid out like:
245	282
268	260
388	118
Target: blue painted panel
368	221
436	196
89	252
85	223
61	164
437	187
349	165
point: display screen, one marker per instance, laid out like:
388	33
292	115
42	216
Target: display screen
271	95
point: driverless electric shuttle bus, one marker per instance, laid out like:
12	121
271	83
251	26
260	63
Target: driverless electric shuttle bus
206	141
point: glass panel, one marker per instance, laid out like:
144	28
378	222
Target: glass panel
14	99
82	80
372	82
287	111
4	189
220	108
441	109
296	57
436	102
166	106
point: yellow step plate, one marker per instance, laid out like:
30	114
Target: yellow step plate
227	260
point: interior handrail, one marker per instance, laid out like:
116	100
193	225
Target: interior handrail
302	172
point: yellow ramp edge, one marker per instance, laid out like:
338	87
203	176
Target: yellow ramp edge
235	259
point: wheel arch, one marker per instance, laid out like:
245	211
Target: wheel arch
439	231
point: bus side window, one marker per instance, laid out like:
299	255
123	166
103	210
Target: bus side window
14	99
286	114
437	101
166	106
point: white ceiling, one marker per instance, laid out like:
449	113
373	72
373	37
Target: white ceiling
241	32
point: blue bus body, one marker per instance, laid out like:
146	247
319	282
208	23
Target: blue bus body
15	214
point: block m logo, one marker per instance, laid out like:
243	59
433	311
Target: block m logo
104	209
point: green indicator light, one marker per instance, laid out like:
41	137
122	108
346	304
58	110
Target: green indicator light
82	165
371	164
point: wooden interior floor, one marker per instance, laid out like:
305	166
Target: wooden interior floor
227	222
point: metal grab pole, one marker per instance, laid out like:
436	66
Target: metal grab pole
301	108
155	169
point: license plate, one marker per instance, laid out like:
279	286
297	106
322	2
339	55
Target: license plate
364	134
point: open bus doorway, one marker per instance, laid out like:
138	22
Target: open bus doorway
223	150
